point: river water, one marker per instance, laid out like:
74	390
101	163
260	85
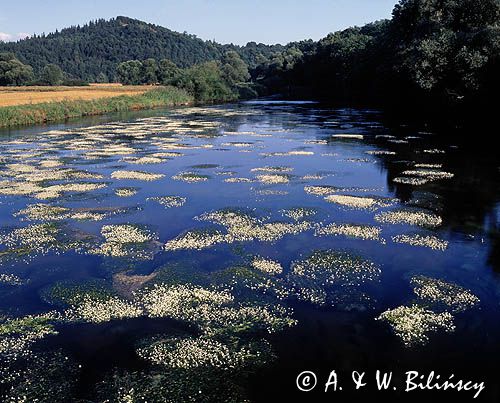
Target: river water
215	253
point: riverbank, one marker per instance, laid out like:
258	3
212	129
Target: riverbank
71	108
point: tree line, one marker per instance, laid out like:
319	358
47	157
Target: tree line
432	54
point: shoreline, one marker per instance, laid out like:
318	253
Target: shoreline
58	111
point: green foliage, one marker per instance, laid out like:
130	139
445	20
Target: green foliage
52	75
13	72
98	47
130	72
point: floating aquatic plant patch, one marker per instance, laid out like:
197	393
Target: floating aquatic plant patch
350	230
414	323
447	294
336	267
421	218
428	241
169	201
190	177
136	175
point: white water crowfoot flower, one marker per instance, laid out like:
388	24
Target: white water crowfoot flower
266	265
212	311
10	279
428	241
334	267
169	201
136	175
299	213
417	217
450	295
350	230
190	177
188	353
125	192
126	240
97	310
414	323
358	202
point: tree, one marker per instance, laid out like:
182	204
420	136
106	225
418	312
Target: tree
13	72
234	69
149	71
102	78
167	71
130	72
52	75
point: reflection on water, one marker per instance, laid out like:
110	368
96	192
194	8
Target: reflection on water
193	254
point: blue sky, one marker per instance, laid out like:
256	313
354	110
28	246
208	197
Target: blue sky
237	21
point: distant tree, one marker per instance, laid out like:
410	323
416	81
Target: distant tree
234	69
167	71
13	72
149	71
102	78
130	72
52	75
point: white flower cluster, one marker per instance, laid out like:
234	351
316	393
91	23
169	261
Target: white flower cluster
320	190
273	179
122	240
136	175
410	181
143	160
266	265
351	230
197	240
456	298
238	180
414	323
411	217
355	202
190	353
270	169
348	136
330	267
125	192
299	213
380	152
46	212
169	201
10	279
429	174
39	238
428	241
102	310
190	177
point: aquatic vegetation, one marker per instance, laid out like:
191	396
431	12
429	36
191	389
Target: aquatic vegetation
126	284
357	202
410	216
350	230
190	177
414	323
380	152
10	279
434	151
125	192
410	181
125	240
196	239
271	169
273	179
144	160
43	212
36	238
299	213
266	265
169	201
452	296
428	174
334	267
97	310
187	353
238	180
429	241
348	136
320	190
429	166
17	335
136	175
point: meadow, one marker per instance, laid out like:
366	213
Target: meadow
32	105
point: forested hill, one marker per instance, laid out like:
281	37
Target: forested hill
96	48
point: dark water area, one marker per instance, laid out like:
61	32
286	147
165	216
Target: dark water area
405	219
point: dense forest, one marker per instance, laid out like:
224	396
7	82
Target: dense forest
441	55
93	51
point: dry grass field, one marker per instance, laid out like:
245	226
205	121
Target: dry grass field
12	96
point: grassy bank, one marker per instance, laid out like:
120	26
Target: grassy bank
61	110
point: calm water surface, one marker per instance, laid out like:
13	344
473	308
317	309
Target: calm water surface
280	174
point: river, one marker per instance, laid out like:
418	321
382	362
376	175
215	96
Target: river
215	253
